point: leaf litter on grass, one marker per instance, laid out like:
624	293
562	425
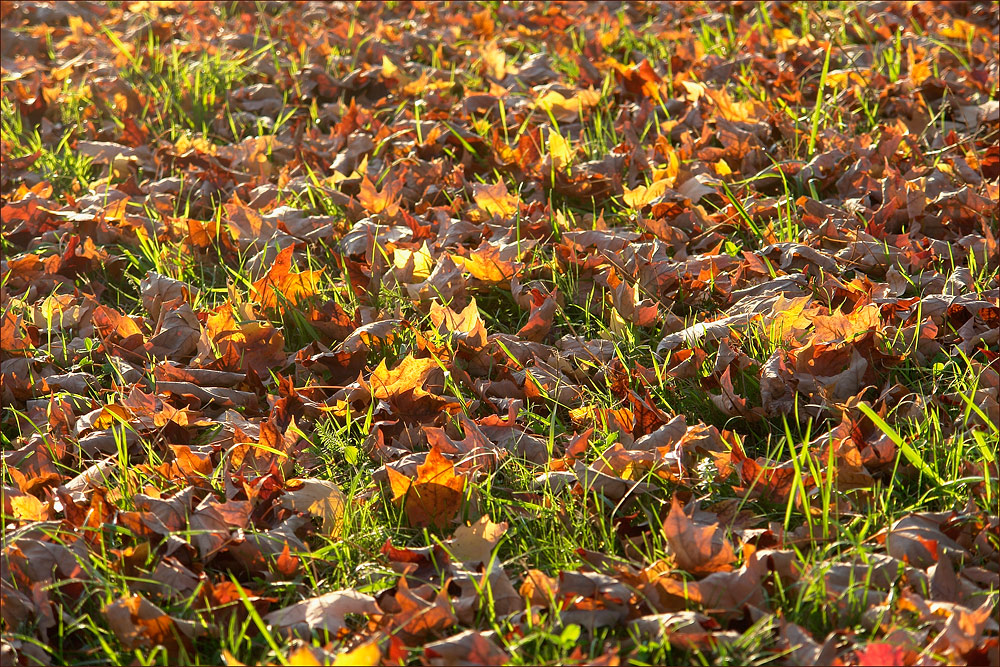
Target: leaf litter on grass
475	333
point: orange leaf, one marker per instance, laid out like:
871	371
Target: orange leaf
410	374
384	201
293	287
434	497
485	264
697	548
495	200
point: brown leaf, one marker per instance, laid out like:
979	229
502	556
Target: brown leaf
466	648
699	548
419	618
917	539
138	623
323	613
475	543
543	308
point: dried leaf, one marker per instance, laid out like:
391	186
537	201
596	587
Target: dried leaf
698	548
319	497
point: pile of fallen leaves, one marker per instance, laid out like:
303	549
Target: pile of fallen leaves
163	430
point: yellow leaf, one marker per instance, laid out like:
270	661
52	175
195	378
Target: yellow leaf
560	150
366	655
388	69
303	657
231	660
960	29
790	317
319	497
643	195
29	508
785	38
495	200
494	61
411	373
568	108
423	263
670	171
485	264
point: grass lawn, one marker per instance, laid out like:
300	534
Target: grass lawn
488	333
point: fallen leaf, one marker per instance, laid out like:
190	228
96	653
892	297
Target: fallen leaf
434	497
697	547
319	497
475	543
323	613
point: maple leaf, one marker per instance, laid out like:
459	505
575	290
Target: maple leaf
414	264
495	200
838	327
642	195
138	623
419	617
410	375
560	150
467	648
476	542
486	265
292	287
881	654
151	415
434	497
466	326
325	612
319	497
543	309
567	108
385	201
697	548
